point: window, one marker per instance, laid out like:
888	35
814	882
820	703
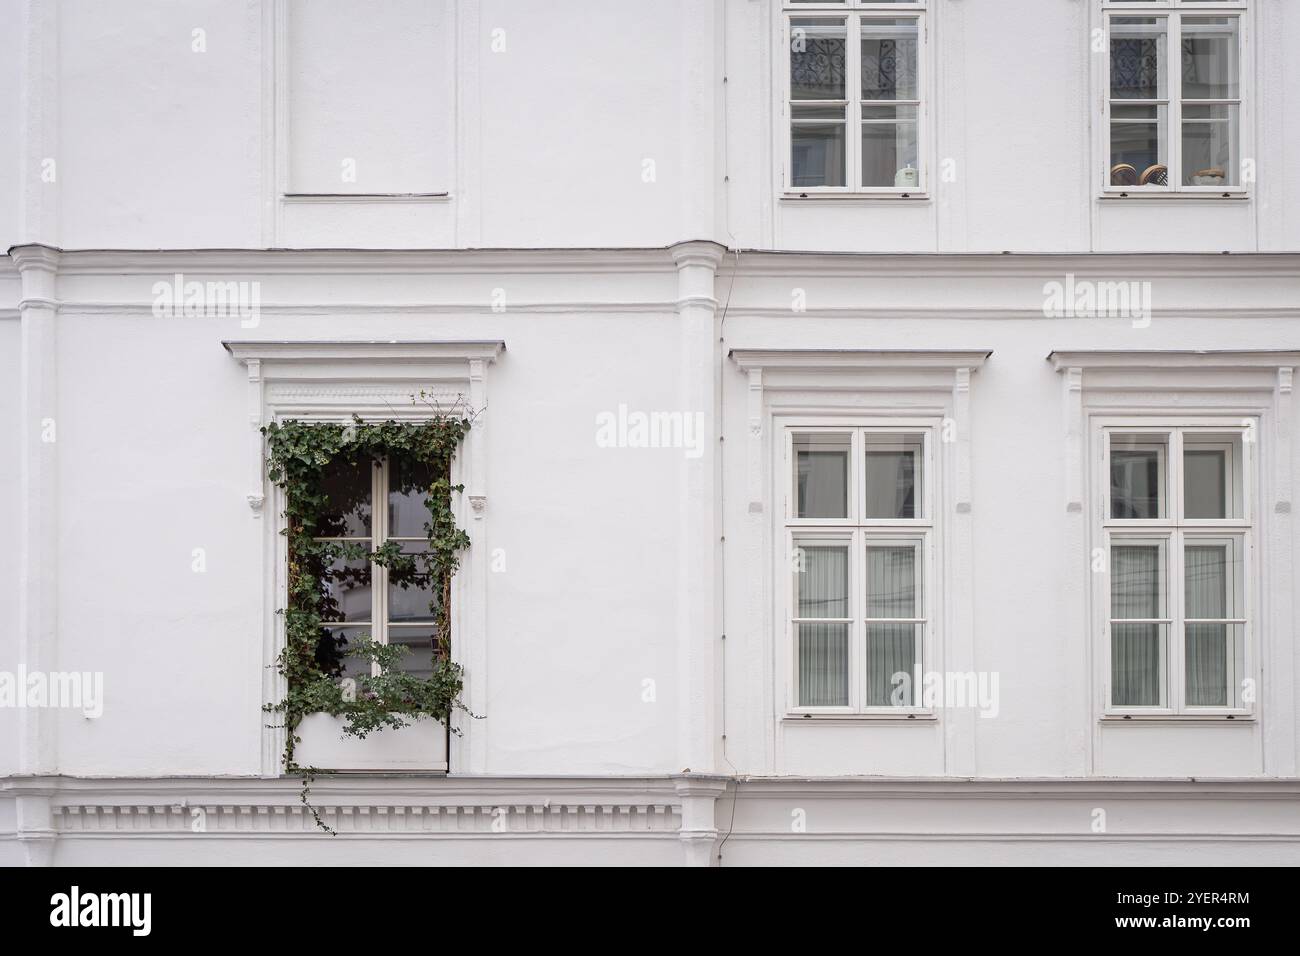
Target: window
859	526
1174	96
1177	530
854	97
396	604
399	379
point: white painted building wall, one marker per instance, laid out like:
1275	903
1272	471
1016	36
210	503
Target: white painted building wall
607	175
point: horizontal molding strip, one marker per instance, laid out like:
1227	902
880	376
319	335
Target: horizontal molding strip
768	263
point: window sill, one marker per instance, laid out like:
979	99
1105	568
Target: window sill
891	196
366	197
1210	195
908	717
1236	718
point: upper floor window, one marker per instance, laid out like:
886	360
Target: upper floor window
854	96
1175	95
1177	528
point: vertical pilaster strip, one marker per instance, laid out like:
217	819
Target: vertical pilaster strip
468	143
273	119
273	733
39	171
699	833
1278	693
960	722
34	821
698	643
38	494
472	751
754	660
1077	583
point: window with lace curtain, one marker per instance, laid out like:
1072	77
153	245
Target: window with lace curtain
1178	531
854	99
859	520
1175	96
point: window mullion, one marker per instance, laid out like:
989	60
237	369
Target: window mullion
1177	611
858	629
853	96
379	573
1174	176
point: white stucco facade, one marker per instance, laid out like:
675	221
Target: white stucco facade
573	211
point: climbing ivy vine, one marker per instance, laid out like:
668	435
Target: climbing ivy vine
299	456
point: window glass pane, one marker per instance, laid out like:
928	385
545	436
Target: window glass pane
413	594
1138	144
1210	145
345	589
1212	475
408	487
823	581
892	651
821	475
419	641
817	58
1207	567
817	146
345	512
1209	53
1213	663
892	586
889	59
1138	69
333	651
1137	581
1137	475
892	476
823	651
1137	664
889	152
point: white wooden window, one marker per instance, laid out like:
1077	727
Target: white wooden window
1175	107
362	598
860	529
854	105
1177	529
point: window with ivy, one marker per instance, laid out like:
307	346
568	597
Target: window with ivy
394	602
373	546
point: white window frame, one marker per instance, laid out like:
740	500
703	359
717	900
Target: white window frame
1175	10
854	12
379	623
1174	530
857	532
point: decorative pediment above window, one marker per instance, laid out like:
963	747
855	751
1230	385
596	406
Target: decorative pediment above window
792	377
335	380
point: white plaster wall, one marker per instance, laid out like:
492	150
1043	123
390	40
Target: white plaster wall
541	120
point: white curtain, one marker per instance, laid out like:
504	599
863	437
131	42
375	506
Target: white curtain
1207	644
1135	648
891	648
824	648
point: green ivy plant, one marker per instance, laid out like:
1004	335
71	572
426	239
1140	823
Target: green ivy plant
299	454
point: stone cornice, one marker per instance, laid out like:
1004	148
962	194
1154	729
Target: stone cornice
1156	359
343	350
1101	266
857	359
